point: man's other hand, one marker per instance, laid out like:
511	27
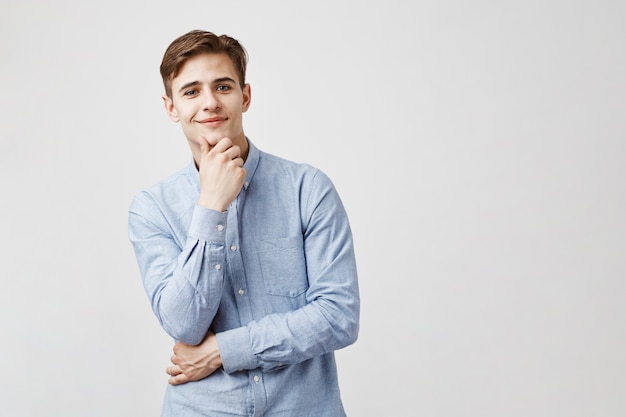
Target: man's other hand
192	363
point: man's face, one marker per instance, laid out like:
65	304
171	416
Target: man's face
208	101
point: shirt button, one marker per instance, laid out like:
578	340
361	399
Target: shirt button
233	247
219	227
256	378
218	267
241	291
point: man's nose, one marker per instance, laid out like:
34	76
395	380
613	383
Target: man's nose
211	102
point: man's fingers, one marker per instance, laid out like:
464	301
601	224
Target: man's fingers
177	376
173	370
223	144
178	379
224	149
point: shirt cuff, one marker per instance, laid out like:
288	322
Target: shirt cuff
235	350
207	224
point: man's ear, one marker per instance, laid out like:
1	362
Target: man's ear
169	108
247	97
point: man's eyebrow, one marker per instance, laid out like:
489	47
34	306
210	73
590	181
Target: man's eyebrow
189	84
224	79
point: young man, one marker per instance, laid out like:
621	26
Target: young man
247	258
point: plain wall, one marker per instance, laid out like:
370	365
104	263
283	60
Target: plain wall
479	148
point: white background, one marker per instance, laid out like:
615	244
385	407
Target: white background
479	148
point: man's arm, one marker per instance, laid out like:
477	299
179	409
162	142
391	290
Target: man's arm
329	320
185	283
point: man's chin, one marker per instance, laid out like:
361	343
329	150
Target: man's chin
211	137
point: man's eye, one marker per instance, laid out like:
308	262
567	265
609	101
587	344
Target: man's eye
191	92
223	88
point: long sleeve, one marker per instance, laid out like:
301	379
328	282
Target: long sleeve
274	278
183	275
329	318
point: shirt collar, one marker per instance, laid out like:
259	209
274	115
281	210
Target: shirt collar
252	161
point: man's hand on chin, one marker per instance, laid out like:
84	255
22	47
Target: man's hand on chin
221	173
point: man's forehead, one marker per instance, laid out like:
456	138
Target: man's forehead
211	66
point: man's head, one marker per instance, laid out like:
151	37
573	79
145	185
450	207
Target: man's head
204	78
199	42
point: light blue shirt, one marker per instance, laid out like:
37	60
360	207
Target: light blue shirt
274	277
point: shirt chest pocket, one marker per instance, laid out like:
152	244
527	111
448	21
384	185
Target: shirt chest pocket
283	267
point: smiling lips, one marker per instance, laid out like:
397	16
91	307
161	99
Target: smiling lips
213	121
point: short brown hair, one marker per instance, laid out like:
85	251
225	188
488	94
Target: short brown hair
199	42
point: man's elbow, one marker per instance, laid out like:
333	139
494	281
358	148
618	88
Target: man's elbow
188	335
349	328
352	332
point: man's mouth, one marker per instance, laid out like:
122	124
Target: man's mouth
213	121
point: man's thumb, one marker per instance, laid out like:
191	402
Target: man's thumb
204	145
